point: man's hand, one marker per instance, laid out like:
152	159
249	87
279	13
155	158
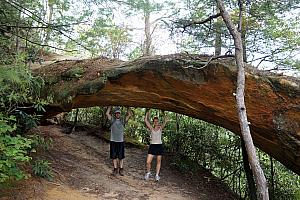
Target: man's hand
108	112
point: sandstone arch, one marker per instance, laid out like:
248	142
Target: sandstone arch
186	84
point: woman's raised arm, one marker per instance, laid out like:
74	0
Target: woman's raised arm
147	120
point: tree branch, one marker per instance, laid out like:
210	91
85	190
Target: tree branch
42	27
186	24
209	61
18	6
32	42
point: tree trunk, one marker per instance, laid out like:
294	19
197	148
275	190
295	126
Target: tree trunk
218	35
148	39
243	35
177	133
249	174
75	121
48	30
272	179
17	33
262	188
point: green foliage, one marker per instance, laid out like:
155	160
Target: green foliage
18	86
40	143
39	105
136	128
32	26
198	143
105	38
14	151
7	124
286	183
184	164
94	116
135	53
141	6
42	168
270	30
18	89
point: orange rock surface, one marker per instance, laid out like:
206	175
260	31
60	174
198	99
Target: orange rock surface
190	85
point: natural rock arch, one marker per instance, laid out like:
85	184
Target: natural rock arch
186	84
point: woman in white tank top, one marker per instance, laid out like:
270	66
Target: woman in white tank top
155	147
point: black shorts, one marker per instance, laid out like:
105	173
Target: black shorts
156	149
117	150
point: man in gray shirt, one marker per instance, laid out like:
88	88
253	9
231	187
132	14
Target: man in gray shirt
117	153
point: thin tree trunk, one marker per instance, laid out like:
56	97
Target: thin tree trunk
177	131
244	45
272	179
218	35
49	20
75	121
48	31
248	172
148	39
17	33
262	188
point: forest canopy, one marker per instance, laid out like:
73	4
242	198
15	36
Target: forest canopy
129	29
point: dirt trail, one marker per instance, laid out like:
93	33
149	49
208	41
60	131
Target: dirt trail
82	170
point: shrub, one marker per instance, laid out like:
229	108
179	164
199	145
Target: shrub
42	168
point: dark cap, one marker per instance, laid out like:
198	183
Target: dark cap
117	110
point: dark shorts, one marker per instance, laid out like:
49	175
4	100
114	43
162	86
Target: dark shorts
117	150
156	149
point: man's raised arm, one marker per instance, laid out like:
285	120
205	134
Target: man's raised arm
108	112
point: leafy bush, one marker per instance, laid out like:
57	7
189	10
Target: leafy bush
94	115
14	151
18	88
42	168
40	143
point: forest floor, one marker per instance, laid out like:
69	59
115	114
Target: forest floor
82	171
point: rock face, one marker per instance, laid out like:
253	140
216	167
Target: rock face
190	85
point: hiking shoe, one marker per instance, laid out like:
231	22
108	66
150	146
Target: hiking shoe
157	178
121	172
148	174
115	172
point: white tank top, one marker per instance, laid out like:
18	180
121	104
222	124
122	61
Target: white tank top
156	136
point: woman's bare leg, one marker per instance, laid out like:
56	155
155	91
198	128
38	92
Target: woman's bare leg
158	164
148	163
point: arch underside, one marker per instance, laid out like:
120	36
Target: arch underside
186	84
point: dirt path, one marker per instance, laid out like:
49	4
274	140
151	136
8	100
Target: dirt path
82	170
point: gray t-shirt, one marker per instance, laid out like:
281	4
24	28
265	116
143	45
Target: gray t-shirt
117	130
